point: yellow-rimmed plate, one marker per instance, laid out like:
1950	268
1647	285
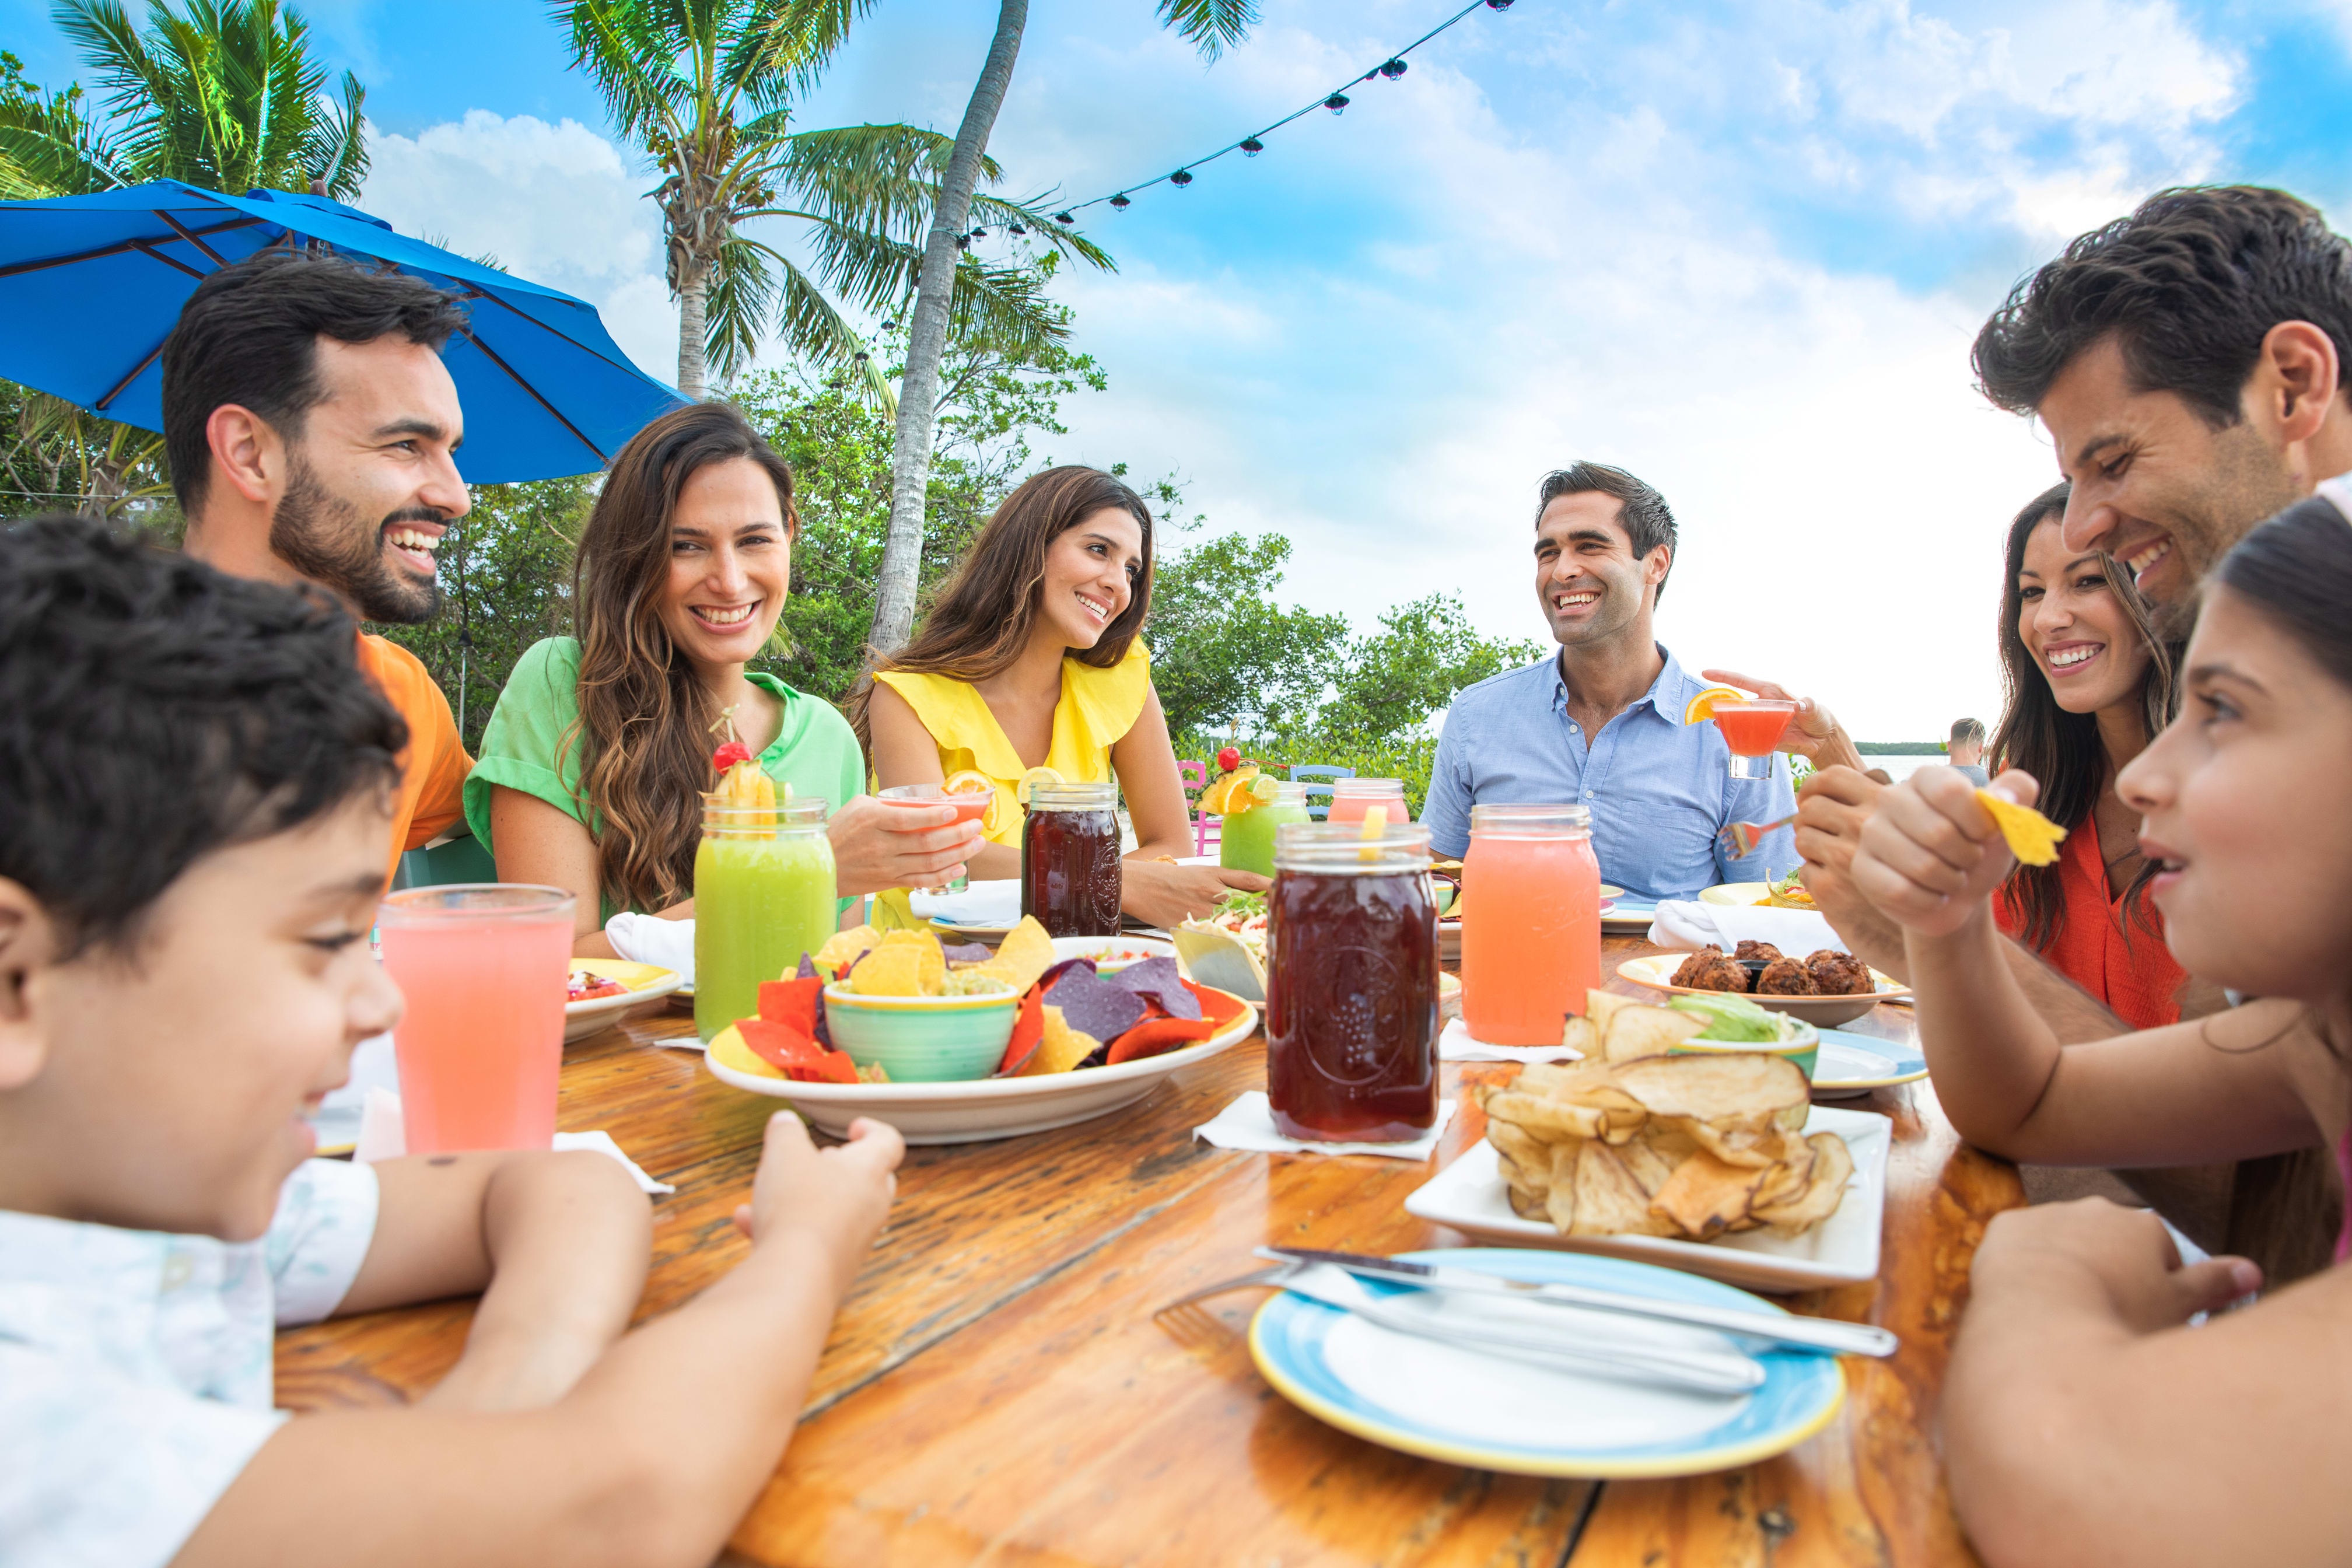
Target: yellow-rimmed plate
1736	893
1462	1407
646	983
976	1110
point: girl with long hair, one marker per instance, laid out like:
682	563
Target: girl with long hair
2088	681
593	766
2084	1418
1031	657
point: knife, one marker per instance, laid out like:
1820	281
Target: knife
1705	1372
1822	1334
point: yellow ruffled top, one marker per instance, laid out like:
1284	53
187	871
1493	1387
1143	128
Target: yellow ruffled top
1098	707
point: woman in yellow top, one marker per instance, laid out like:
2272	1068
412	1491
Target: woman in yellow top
1031	657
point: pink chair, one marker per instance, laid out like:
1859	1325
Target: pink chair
1195	777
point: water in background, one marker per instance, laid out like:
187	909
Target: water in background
1903	764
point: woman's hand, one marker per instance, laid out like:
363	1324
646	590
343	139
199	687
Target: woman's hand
879	845
837	1196
1160	894
1813	730
1931	854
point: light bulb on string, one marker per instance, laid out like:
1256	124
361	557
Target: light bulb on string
1065	218
1180	177
1393	70
1120	202
1499	5
1018	229
1251	146
1337	103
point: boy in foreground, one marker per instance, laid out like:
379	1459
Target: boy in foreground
195	789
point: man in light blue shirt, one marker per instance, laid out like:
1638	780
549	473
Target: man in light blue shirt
1601	723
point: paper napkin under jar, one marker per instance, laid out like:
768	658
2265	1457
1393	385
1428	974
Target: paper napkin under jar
1248	1123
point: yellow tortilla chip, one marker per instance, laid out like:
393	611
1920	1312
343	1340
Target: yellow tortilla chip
842	946
1025	953
2032	837
926	947
889	971
1062	1048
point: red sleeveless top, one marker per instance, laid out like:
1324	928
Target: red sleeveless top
2096	945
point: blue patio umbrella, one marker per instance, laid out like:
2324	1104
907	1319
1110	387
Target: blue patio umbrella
91	286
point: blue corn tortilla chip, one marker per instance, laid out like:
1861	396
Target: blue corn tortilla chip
808	971
1053	974
1092	1006
967	951
1158	980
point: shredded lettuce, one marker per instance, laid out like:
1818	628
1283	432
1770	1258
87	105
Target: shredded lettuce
1730	1017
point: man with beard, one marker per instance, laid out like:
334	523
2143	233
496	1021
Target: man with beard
310	427
1600	725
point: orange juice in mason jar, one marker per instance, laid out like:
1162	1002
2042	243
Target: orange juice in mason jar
1531	922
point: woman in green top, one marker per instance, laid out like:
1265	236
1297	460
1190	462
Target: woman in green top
592	768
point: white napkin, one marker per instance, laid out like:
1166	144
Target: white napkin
1690	924
1248	1123
990	904
383	1138
648	938
1458	1045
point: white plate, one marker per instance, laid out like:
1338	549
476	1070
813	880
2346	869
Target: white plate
1460	1408
1735	893
1851	1065
1468	1195
1656	971
976	1111
646	983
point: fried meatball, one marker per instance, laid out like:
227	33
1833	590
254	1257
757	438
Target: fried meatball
1763	950
1708	970
1784	977
1839	974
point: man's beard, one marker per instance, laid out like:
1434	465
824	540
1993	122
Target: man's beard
327	539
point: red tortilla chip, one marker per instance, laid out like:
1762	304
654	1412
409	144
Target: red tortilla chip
794	1054
1028	1033
1219	1008
793	1002
1153	1035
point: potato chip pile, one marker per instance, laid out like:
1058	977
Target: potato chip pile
1071	1016
1631	1141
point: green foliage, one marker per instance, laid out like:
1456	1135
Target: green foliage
1899	747
1424	653
506	581
1224	653
1407	757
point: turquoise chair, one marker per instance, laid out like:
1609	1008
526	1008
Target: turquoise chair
1301	774
462	859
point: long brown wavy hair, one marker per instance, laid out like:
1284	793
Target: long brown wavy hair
2062	749
980	622
644	715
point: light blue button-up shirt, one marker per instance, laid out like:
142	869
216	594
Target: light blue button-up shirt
1658	788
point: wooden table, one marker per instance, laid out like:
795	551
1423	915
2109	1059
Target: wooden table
997	1390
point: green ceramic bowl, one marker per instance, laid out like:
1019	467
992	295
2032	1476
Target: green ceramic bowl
1799	1042
922	1039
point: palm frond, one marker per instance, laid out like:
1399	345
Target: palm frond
48	149
994	212
741	301
1209	25
819	334
783	48
336	150
1006	305
879	178
628	50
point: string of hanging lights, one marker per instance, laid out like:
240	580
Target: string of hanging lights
1250	147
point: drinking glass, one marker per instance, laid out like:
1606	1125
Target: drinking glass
482	965
1752	729
1246	838
764	895
1531	922
1351	990
970	806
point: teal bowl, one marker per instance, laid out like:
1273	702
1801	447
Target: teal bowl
1800	1041
922	1039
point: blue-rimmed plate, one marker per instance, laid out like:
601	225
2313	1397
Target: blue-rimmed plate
1854	1063
1444	1403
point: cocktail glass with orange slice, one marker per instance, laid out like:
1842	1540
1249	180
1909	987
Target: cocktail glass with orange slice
971	796
1751	726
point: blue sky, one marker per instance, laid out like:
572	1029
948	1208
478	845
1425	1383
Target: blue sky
1739	249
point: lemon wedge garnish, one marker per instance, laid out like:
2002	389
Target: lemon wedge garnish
1035	776
2031	837
1702	706
1376	822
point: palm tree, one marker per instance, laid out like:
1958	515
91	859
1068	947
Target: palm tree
705	87
1209	24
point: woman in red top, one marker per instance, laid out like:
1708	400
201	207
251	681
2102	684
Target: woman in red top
2088	683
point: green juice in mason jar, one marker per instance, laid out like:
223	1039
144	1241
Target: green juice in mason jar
1245	841
764	895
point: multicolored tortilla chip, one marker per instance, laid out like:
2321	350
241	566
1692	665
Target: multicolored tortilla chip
2031	837
842	948
1094	1005
1063	1047
1158	980
966	951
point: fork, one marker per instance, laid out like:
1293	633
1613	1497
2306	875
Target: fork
1738	839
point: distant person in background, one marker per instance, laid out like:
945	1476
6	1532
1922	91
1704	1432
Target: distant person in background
1032	656
1966	750
311	431
1601	723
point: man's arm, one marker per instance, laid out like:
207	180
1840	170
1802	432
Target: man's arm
1446	810
561	1241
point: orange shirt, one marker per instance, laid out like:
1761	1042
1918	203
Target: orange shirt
2097	946
433	769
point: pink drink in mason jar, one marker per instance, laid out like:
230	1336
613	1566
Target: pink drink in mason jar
1531	922
482	968
1350	798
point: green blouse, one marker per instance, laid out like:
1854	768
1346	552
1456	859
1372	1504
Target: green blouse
814	750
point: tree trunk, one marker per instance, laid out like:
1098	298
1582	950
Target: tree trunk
911	451
693	376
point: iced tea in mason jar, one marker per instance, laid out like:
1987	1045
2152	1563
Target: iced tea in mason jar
1351	990
1069	858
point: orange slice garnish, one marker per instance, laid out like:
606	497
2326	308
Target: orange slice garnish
1702	706
1229	793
